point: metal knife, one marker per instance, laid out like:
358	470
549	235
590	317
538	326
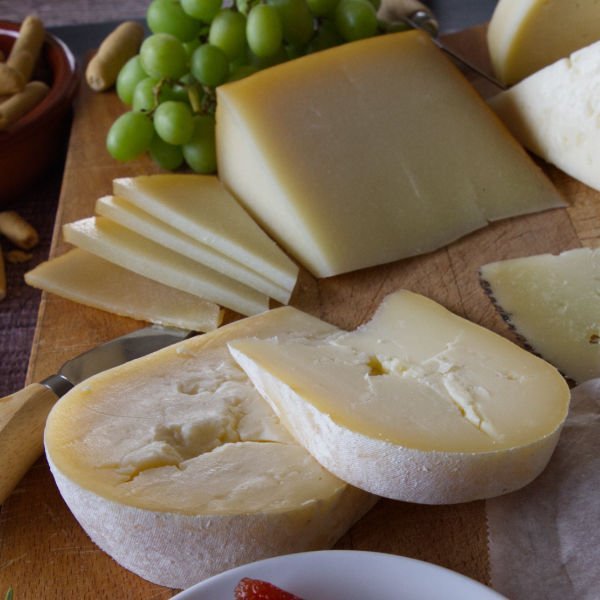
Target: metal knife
23	414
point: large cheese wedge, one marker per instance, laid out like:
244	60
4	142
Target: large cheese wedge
199	206
555	113
370	152
418	404
526	35
176	467
126	214
89	280
112	242
553	302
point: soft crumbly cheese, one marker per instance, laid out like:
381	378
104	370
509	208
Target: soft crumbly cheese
87	279
175	466
417	405
526	35
555	113
117	244
554	303
370	152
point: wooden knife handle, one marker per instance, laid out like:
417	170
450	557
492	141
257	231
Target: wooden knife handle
22	420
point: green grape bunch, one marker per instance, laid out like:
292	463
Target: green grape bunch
196	46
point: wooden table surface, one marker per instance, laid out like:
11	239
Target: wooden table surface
43	551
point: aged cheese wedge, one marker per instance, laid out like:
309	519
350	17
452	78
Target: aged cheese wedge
112	242
418	404
555	113
554	303
126	214
90	280
346	169
176	467
526	35
199	206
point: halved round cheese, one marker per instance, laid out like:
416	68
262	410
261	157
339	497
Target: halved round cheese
176	467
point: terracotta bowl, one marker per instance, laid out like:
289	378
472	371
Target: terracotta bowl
33	143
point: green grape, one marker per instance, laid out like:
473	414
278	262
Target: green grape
163	55
264	31
241	71
209	65
322	8
204	10
228	32
143	96
191	46
327	37
355	19
129	76
296	20
167	16
376	4
129	136
174	122
200	152
166	156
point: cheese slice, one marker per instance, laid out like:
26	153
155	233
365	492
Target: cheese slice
417	405
554	303
112	242
555	113
370	152
89	280
199	206
175	466
526	35
126	214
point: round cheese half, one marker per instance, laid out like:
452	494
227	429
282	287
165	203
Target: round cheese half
177	468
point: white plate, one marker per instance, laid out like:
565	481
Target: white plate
347	575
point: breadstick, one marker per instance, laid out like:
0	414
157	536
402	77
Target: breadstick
120	45
19	104
26	49
11	81
18	230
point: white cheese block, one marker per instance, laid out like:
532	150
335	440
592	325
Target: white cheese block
199	206
90	280
176	467
555	113
417	405
126	214
346	169
112	242
553	302
526	35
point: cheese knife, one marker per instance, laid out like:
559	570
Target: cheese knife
23	414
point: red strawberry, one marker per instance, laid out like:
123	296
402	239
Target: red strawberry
256	589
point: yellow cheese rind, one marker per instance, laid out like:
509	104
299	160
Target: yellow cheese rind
526	35
553	303
176	467
417	405
87	279
346	170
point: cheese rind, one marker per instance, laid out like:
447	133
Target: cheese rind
334	159
193	473
417	405
90	280
555	113
526	35
553	302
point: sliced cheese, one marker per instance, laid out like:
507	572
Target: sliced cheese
112	242
199	206
346	169
177	468
526	35
555	113
126	214
554	303
417	405
95	282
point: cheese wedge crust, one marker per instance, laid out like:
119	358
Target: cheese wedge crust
175	466
417	405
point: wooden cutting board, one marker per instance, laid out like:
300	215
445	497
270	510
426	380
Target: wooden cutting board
43	551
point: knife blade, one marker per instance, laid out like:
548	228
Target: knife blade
23	414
